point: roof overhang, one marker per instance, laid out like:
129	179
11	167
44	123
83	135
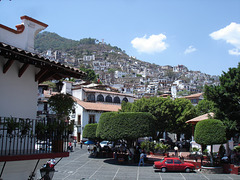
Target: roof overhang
49	70
200	118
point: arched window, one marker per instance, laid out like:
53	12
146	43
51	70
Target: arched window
108	98
116	99
91	98
125	99
100	98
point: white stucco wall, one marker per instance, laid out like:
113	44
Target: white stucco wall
77	93
25	39
18	96
84	118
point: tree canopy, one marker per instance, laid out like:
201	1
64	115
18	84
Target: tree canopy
125	126
170	114
61	104
209	132
226	98
205	106
90	131
91	76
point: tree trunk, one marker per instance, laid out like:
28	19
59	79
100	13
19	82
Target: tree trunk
211	157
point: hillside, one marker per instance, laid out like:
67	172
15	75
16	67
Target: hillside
87	46
114	66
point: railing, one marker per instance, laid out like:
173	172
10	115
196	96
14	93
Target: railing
20	136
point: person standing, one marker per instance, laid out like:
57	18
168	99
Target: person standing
176	151
142	155
75	143
81	143
88	148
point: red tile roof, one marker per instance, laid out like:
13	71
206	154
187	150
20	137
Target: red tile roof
200	118
192	96
97	106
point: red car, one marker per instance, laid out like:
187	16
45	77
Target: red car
173	164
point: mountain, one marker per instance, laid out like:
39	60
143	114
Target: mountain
87	46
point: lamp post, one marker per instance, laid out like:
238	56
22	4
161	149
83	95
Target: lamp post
59	86
47	172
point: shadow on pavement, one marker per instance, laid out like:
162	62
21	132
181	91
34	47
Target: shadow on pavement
158	170
115	162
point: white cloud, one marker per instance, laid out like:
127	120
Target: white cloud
153	44
230	34
235	52
190	49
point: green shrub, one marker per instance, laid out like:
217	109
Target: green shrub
195	149
147	146
90	131
162	147
236	148
209	132
125	125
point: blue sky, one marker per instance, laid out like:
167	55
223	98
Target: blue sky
203	35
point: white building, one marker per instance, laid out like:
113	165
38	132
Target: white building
21	72
91	103
119	74
89	58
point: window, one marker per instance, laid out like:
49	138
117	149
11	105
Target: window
177	161
91	98
169	161
100	98
108	98
125	99
116	99
79	120
91	119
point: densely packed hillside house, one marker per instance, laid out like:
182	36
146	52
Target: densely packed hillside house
24	145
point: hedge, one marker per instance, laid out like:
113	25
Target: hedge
90	131
125	125
209	132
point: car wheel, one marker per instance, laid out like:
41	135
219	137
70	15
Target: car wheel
187	170
164	169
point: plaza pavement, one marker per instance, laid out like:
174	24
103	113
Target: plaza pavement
79	166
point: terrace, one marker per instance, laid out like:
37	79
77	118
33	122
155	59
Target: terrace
25	139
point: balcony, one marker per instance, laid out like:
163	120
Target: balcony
26	139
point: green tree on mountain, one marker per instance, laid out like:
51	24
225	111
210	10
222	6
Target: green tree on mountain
91	76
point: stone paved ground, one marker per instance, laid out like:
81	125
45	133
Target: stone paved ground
79	166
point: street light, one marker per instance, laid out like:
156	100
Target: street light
47	172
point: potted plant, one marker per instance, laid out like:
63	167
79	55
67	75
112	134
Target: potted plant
162	147
147	146
205	153
24	126
41	130
11	125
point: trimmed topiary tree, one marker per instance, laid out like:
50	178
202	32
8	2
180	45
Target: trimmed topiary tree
125	126
210	132
90	131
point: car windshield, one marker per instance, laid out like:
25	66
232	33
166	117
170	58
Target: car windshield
161	160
